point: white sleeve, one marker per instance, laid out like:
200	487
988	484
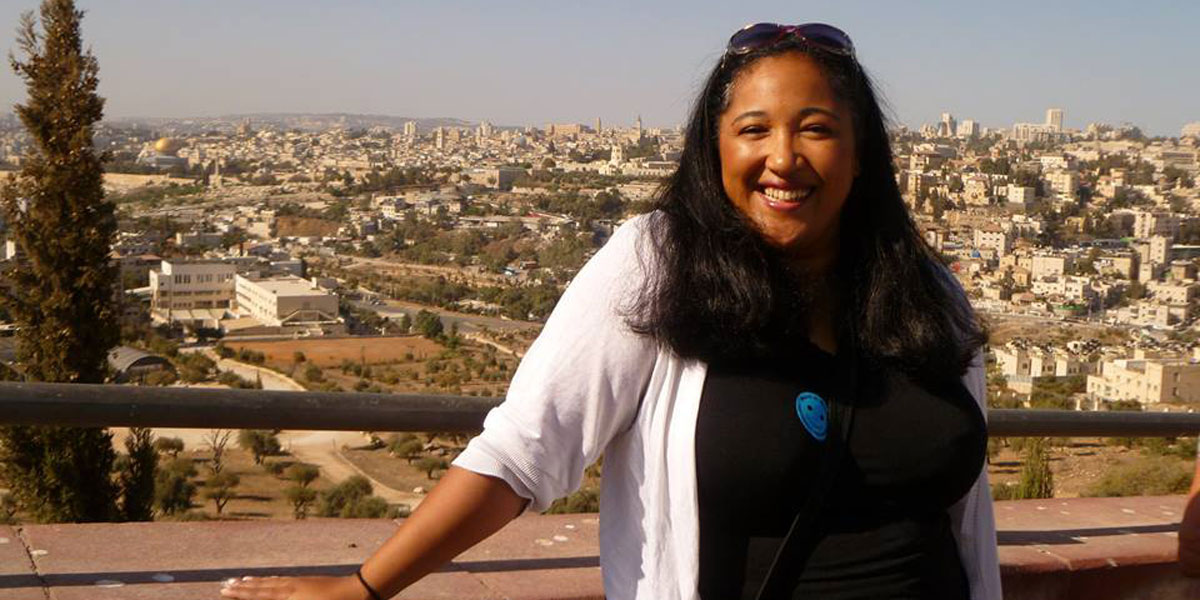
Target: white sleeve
971	517
578	386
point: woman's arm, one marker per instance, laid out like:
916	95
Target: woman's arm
1189	529
462	509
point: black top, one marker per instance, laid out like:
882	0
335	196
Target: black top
912	453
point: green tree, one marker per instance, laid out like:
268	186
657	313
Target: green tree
352	499
173	492
301	498
432	464
302	474
138	476
260	443
169	445
220	489
61	293
406	446
1037	481
428	324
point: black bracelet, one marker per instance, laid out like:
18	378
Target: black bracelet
370	590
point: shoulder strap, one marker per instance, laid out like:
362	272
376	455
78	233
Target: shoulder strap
801	536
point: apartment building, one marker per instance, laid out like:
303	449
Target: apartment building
287	300
186	285
1147	380
995	239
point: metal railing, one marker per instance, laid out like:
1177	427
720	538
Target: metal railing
92	405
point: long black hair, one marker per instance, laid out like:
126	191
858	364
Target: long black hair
721	292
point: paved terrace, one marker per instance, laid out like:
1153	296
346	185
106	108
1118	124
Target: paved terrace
1089	548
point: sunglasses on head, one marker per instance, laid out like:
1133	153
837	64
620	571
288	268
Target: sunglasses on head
761	35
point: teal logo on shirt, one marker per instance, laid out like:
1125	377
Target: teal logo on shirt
813	413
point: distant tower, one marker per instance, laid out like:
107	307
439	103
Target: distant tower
215	180
1054	118
439	138
948	127
485	129
410	129
598	128
618	154
638	126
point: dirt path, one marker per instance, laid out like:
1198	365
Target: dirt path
323	448
320	448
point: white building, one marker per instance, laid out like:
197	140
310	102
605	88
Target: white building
1054	118
1043	266
997	240
1020	194
1147	380
1063	183
185	285
284	301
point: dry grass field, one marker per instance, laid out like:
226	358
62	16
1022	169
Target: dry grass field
306	227
330	352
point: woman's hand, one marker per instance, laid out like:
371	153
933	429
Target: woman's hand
295	588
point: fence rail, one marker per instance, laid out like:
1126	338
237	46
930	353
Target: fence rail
91	405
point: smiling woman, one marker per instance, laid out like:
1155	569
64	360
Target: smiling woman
787	155
782	378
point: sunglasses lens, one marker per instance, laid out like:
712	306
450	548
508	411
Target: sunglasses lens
753	37
826	35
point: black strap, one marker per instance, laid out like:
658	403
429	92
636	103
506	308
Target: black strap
801	537
370	590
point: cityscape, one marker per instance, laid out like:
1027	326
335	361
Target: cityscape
392	254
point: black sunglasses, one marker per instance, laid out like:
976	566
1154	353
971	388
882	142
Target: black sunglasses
761	35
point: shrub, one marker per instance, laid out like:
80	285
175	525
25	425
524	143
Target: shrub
260	443
406	446
1151	476
346	493
586	500
301	498
302	474
352	499
1004	491
368	507
169	445
161	378
313	373
173	492
430	464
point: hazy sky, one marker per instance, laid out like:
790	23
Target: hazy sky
534	62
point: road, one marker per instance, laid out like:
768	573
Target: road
467	323
320	448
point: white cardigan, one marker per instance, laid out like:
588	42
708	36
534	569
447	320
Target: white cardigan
590	386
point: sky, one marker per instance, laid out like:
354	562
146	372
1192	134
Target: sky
533	62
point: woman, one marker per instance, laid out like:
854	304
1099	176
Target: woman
774	340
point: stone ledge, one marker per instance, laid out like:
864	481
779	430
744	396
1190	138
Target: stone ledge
1049	549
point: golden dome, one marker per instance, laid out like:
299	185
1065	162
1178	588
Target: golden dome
167	146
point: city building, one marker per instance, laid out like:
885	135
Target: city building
196	293
280	301
1054	118
995	239
1147	380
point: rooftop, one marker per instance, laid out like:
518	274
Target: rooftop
288	286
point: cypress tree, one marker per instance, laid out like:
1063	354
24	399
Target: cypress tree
1037	481
61	292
